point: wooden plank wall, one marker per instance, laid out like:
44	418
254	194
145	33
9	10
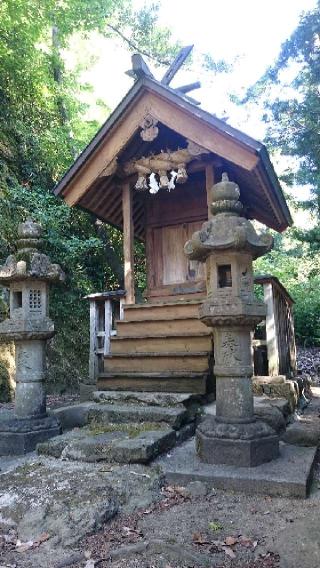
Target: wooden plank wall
285	334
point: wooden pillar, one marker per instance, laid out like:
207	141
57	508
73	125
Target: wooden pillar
271	331
209	183
93	358
128	243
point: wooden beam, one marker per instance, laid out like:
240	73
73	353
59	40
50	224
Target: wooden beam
209	183
128	252
187	88
208	136
176	64
271	331
139	67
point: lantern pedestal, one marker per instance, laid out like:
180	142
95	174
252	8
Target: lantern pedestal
19	436
228	243
27	275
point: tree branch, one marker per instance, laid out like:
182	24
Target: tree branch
136	48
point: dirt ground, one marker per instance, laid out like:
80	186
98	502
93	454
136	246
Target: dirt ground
225	529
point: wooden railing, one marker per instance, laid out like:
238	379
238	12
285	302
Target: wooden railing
105	309
276	335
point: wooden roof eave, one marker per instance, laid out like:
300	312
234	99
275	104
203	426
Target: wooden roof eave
258	162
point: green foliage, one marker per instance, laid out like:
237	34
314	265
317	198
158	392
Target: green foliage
5	393
298	271
42	129
289	93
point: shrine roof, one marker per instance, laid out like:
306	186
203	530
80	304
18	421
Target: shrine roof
93	183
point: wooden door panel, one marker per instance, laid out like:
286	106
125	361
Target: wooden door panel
168	264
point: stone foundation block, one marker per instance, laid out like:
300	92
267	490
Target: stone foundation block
276	387
86	392
241	453
18	437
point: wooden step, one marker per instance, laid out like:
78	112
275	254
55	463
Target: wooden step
184	342
161	311
148	362
154	382
163	327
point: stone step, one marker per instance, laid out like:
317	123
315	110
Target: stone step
104	414
116	446
145	398
168	310
160	326
148	362
183	342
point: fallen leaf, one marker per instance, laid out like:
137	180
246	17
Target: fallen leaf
42	538
245	541
147	512
230	540
198	538
228	551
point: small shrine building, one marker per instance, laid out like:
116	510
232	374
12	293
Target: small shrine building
149	171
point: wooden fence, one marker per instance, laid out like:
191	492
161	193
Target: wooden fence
274	341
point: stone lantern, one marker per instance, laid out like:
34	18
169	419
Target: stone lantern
27	274
228	243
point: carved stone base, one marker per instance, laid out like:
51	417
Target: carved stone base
20	436
242	445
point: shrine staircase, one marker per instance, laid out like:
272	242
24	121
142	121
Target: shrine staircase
159	347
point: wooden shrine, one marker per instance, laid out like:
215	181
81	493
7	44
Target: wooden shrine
149	172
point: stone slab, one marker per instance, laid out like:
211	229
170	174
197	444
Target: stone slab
74	416
303	433
119	413
148	398
144	448
114	447
288	476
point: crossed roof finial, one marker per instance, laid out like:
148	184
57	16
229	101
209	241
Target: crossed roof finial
140	69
